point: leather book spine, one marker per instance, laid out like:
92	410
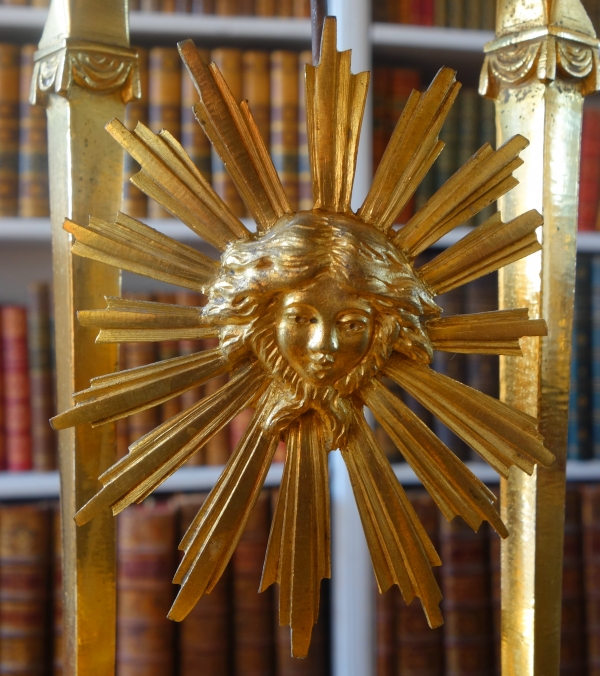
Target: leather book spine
254	624
590	517
206	634
9	129
284	121
17	405
145	568
193	138
33	146
24	588
43	440
589	171
164	102
135	203
466	605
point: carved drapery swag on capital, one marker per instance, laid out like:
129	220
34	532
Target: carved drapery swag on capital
546	49
93	66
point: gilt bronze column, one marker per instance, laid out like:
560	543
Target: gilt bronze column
538	70
84	74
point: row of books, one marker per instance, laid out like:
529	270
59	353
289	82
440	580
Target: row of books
473	14
468	644
589	177
233	631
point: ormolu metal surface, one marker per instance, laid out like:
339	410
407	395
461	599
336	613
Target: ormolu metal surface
84	73
310	311
542	63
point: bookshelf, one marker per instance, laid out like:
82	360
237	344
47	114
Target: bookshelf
25	253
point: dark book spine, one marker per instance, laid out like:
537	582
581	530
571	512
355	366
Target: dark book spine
573	643
419	649
9	129
164	107
488	15
135	203
466	605
43	440
472	14
193	138
17	405
302	9
24	589
590	516
33	146
284	121
440	14
206	634
455	16
496	597
58	652
595	320
385	631
254	648
580	405
145	567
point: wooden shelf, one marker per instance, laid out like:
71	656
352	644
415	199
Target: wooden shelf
46	485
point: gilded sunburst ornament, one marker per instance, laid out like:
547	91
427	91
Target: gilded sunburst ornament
311	311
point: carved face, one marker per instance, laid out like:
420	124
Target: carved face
323	331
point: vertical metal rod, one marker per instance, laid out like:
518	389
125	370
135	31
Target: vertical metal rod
318	12
538	69
84	42
353	614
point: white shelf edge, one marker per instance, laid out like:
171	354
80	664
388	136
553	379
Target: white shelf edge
386	35
46	485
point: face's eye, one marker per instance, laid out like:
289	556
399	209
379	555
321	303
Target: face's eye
299	319
355	324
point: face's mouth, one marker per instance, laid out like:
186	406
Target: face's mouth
320	364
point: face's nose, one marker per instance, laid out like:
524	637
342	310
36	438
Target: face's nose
323	337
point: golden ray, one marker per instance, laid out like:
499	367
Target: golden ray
412	150
110	398
335	103
501	434
134	246
495	332
154	457
233	133
489	247
214	533
401	551
126	320
455	489
478	183
168	175
298	553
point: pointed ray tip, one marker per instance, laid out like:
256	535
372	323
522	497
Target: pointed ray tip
186	46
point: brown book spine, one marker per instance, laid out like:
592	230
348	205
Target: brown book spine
572	639
385	631
145	567
229	62
39	3
305	196
472	14
439	13
488	15
135	203
57	595
419	649
206	634
302	9
2	405
33	146
256	86
227	7
456	13
24	589
168	6
264	7
284	121
254	648
591	556
466	605
150	5
496	596
193	138
43	440
285	8
141	354
9	129
203	7
17	407
164	101
191	397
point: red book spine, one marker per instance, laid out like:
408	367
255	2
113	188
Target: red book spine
17	406
591	556
589	188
